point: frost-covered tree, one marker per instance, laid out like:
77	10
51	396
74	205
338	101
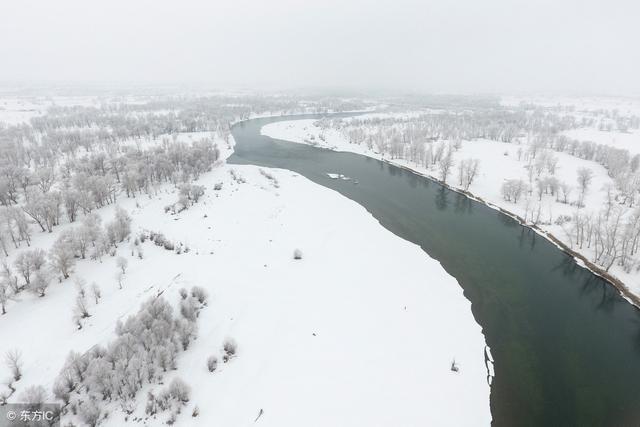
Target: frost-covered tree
90	412
122	264
62	253
566	190
120	228
96	292
82	306
28	262
71	201
512	189
445	163
34	395
585	176
41	281
5	295
119	279
467	172
13	359
7	277
44	209
179	390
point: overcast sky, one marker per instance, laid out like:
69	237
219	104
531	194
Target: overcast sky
479	46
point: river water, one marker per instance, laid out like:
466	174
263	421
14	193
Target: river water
566	346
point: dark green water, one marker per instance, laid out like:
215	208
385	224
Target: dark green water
566	346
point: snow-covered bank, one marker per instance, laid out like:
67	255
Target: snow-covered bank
325	340
498	162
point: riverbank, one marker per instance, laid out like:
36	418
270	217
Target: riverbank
486	192
333	338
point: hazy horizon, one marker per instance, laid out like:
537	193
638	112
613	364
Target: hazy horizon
492	47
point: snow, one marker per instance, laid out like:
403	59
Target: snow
14	111
498	162
325	340
338	176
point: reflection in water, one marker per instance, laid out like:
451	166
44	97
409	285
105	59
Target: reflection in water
507	220
442	199
566	346
413	180
462	204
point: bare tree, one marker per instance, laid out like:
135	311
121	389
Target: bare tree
122	264
445	164
468	170
566	192
13	358
119	279
5	294
34	395
512	189
95	292
28	262
82	307
585	176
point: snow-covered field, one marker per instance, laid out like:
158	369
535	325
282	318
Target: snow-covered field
625	140
324	340
498	162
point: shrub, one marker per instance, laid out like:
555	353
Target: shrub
179	390
297	254
212	363
230	349
188	309
199	293
35	395
90	412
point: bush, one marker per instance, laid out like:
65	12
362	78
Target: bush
199	293
188	309
230	349
90	412
35	395
179	390
212	363
297	254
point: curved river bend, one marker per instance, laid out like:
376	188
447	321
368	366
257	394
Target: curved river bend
566	346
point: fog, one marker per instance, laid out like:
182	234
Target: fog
465	46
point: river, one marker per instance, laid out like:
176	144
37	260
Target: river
566	346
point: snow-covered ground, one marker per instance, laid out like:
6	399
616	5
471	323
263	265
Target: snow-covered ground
629	141
325	340
498	162
14	111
